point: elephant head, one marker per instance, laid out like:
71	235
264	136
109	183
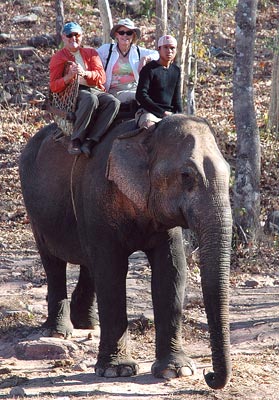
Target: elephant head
176	175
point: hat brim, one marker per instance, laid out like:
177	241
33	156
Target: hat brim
71	27
68	31
116	27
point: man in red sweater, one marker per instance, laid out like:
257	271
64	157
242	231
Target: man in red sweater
95	109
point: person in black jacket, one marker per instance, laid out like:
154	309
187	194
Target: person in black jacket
158	92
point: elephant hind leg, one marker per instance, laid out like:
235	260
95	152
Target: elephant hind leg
83	301
58	320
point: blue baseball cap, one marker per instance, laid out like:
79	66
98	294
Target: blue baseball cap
70	27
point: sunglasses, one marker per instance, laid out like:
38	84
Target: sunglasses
128	33
77	35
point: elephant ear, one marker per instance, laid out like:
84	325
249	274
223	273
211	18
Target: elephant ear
128	166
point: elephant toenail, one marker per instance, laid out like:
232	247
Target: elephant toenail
169	374
186	371
111	372
126	371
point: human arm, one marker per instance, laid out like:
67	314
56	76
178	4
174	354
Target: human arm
61	71
177	100
103	52
94	74
109	56
146	55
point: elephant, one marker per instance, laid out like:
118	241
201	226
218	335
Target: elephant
137	192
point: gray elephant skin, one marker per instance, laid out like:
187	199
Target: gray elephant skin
136	192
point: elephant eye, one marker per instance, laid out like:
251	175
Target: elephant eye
188	180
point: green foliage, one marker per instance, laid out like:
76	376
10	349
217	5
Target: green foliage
241	211
213	6
271	43
85	2
147	8
263	4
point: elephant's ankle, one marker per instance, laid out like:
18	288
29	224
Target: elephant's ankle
59	319
84	318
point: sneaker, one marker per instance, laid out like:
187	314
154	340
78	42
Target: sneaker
74	147
87	147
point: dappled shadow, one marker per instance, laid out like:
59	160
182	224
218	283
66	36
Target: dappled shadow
253	323
88	384
122	395
254	316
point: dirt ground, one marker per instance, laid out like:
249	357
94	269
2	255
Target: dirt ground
38	367
68	371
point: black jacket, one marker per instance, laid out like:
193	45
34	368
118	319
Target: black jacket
159	89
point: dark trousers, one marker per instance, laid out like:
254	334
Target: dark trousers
95	112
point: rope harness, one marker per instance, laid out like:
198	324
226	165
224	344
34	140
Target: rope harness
71	187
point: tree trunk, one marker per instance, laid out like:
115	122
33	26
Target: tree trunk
273	113
183	42
106	19
190	80
190	61
59	8
247	174
182	21
161	18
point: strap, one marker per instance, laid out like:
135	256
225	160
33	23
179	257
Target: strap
109	55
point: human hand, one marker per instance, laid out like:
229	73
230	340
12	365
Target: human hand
81	72
143	61
166	113
71	71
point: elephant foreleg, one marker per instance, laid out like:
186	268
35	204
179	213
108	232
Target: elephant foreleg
168	266
114	358
83	302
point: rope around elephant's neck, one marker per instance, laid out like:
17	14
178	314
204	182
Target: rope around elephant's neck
71	187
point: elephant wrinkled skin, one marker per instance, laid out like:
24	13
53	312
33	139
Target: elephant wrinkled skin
135	193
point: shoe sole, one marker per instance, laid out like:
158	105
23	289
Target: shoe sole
86	151
74	153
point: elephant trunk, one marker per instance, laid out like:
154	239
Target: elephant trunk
215	248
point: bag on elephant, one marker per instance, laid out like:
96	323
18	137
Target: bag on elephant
62	106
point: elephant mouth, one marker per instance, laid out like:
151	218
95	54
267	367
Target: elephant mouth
182	218
165	223
171	221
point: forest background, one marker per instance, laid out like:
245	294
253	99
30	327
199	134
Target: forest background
23	87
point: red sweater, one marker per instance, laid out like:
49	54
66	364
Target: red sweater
93	64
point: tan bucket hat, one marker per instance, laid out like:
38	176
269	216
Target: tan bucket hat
128	24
